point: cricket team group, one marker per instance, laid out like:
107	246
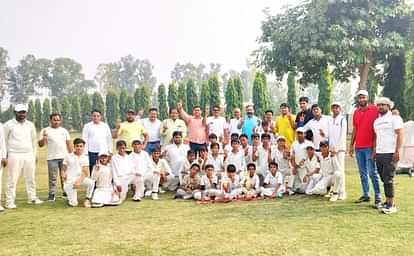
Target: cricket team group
208	158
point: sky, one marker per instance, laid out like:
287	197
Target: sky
163	31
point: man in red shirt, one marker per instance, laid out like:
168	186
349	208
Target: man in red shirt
363	140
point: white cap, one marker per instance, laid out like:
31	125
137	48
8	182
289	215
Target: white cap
310	145
362	92
301	129
104	153
280	137
336	103
385	101
20	108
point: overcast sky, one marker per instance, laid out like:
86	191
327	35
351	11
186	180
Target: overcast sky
164	31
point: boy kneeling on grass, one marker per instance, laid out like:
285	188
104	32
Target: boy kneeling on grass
273	183
330	171
191	185
105	192
250	183
75	174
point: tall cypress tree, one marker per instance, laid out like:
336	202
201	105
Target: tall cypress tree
38	114
238	85
143	99
111	108
231	97
123	98
76	119
204	95
162	102
98	103
182	95
86	108
31	111
291	97
46	112
260	94
55	105
172	95
325	91
214	86
192	99
65	112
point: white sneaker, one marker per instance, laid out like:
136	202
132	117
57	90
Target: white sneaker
162	191
155	196
334	198
291	192
390	210
1	209
328	195
342	197
11	206
148	193
136	198
35	201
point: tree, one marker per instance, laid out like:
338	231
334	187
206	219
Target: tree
23	80
86	108
162	102
143	99
38	114
46	112
182	95
172	95
31	111
291	98
325	92
205	95
213	84
260	95
76	119
191	94
111	108
98	103
8	114
123	98
67	78
231	96
238	85
65	112
4	70
55	106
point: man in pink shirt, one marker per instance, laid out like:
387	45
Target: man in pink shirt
363	140
197	127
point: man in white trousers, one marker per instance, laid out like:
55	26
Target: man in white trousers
142	164
75	174
3	154
21	141
337	142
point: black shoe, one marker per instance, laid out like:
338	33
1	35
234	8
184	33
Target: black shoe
178	197
378	205
363	199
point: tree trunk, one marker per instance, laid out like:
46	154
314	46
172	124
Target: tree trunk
364	71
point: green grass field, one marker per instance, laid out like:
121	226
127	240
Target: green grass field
297	225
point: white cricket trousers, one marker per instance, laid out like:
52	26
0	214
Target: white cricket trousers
326	181
341	159
152	181
1	182
72	193
137	181
19	163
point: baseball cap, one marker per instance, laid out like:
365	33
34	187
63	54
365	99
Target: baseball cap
362	92
300	129
20	108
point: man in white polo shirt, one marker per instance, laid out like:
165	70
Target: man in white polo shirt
388	133
319	125
97	136
337	142
59	145
217	124
153	127
235	121
21	141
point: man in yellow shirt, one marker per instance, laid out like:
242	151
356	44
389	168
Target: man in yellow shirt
171	125
285	124
130	130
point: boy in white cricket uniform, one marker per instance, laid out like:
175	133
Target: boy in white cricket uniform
122	169
105	192
141	164
273	185
265	157
209	184
235	157
281	155
312	167
216	160
250	183
330	172
230	185
190	188
185	167
75	172
159	175
295	183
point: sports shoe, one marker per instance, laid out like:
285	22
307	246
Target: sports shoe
291	192
35	201
136	198
96	205
1	209
328	195
154	196
51	198
390	209
148	193
363	199
11	206
334	197
342	197
378	204
160	190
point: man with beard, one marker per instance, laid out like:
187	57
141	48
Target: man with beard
363	141
170	126
388	131
130	130
249	123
